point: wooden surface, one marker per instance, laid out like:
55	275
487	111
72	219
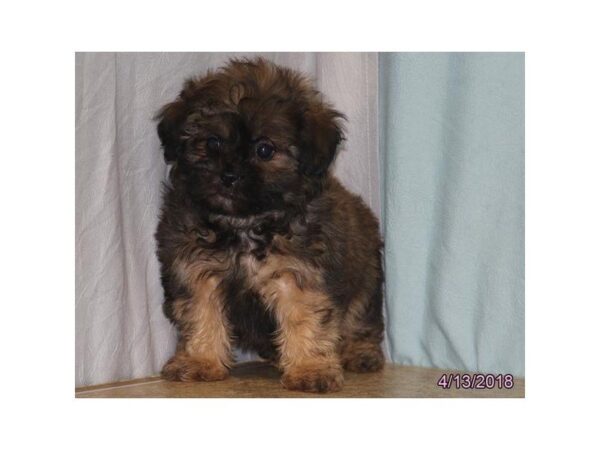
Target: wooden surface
259	380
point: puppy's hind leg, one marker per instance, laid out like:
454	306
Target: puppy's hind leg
362	334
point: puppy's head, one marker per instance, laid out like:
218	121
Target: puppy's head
250	138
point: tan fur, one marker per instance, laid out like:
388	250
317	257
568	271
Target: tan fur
308	336
205	349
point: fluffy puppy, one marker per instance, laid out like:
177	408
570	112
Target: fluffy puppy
259	245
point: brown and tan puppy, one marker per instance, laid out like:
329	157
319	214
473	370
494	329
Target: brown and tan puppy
259	245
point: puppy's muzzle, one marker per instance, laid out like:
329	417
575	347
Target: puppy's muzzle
229	178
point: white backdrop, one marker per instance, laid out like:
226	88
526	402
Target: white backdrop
120	329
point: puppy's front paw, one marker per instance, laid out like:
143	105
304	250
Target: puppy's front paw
313	379
184	368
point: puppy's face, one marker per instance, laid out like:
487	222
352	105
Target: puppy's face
250	138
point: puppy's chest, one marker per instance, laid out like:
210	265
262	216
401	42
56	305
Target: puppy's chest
256	257
247	259
258	262
252	244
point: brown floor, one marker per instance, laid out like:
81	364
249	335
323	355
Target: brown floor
259	380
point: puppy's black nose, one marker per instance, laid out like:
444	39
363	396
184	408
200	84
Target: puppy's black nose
229	178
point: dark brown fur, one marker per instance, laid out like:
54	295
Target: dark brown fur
271	253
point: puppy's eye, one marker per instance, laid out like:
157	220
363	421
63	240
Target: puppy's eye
213	143
265	150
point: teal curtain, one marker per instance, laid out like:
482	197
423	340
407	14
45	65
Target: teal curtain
452	155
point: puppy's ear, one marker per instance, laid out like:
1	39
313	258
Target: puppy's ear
320	136
171	119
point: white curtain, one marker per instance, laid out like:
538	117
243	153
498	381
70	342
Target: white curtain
121	332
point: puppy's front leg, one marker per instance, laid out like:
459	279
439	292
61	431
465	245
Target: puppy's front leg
307	336
204	349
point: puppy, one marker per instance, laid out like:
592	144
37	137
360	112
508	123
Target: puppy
259	245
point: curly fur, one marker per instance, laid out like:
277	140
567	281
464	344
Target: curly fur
270	254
